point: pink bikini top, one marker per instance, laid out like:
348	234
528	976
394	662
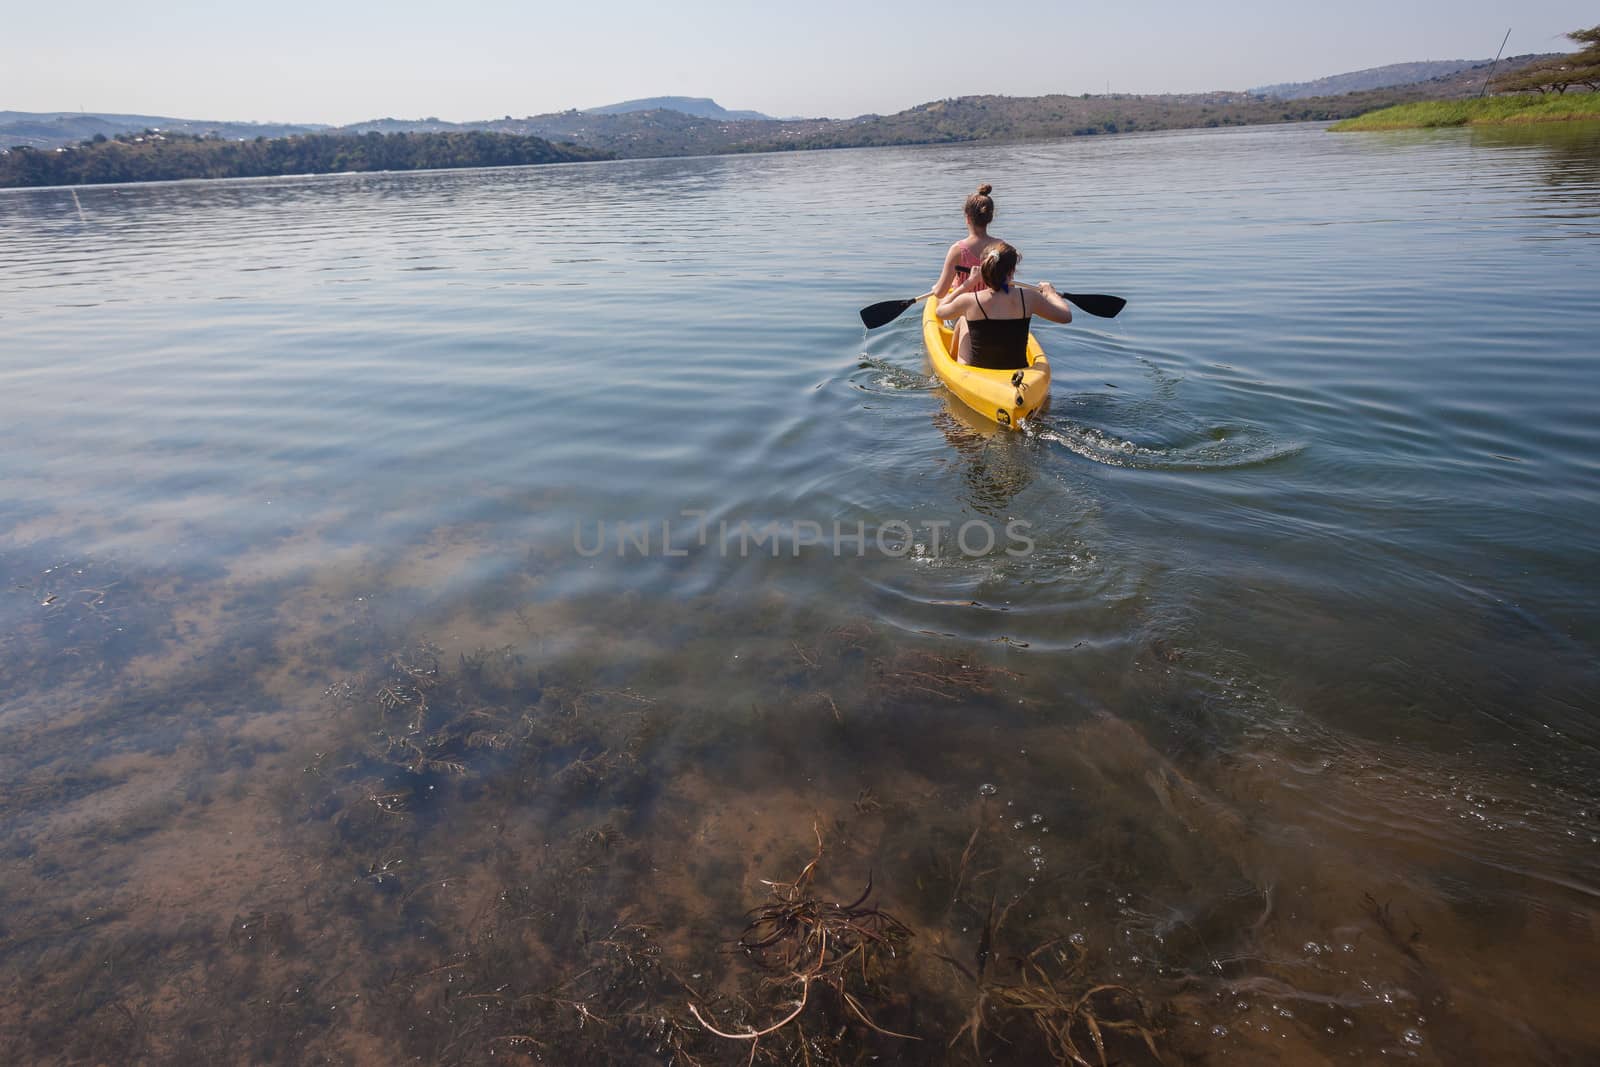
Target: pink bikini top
970	261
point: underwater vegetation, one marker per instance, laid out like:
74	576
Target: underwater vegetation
852	848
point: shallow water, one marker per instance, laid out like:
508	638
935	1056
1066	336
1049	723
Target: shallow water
352	698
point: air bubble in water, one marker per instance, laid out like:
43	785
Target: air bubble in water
988	789
1412	1037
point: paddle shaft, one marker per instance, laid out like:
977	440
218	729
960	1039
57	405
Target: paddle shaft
1100	305
1036	289
881	314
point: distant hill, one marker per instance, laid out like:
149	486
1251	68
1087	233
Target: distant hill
428	125
979	118
635	129
169	156
975	118
634	134
52	129
698	106
1385	77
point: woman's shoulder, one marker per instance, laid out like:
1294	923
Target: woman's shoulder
965	248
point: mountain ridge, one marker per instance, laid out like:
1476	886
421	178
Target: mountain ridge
642	132
1384	77
54	129
699	106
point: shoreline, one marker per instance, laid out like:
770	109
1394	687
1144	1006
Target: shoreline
1486	111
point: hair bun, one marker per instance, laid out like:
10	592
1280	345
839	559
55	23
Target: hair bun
985	189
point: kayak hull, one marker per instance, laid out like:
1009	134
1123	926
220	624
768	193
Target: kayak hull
991	393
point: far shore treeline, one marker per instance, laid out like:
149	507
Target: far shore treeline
154	156
571	136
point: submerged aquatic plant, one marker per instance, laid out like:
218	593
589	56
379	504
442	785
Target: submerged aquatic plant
808	942
914	676
1050	988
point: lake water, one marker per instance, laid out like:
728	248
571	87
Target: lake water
422	629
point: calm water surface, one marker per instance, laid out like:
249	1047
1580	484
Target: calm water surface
328	735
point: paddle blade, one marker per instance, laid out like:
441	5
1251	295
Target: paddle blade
1105	307
884	313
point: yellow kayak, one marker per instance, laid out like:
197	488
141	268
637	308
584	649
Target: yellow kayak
995	394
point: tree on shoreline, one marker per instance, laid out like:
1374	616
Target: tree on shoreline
1559	74
154	156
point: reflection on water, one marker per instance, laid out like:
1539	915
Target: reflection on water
322	741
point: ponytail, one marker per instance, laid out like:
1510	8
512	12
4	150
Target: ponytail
999	263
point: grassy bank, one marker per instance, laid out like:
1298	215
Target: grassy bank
1488	111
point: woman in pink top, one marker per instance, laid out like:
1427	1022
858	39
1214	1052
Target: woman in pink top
966	255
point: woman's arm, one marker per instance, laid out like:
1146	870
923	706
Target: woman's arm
948	274
954	306
1051	306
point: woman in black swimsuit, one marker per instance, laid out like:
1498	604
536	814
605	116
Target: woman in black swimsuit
993	331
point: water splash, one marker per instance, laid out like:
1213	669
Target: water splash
876	375
1220	448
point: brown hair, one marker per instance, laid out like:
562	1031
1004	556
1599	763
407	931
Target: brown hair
999	261
979	208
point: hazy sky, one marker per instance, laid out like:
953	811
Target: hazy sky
333	61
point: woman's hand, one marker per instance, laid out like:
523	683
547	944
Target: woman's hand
1056	308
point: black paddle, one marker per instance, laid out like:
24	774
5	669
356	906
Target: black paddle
886	312
1097	304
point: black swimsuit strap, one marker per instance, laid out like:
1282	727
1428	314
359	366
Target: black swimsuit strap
978	299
